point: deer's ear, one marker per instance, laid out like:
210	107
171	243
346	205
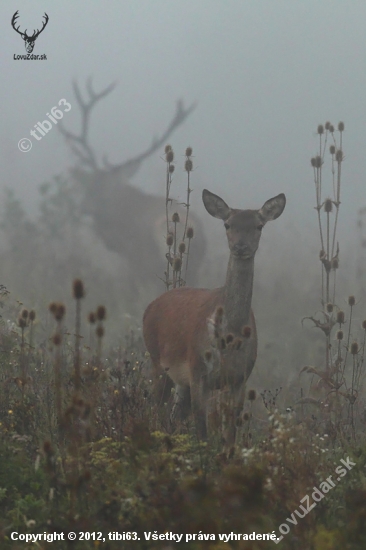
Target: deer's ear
215	205
273	208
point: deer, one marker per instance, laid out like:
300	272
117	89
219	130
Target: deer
128	220
29	41
206	340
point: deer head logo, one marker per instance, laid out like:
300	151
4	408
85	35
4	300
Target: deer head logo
28	40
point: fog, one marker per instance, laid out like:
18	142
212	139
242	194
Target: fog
263	75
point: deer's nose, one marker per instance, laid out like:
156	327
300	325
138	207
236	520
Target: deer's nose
241	248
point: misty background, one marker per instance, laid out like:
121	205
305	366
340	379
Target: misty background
263	74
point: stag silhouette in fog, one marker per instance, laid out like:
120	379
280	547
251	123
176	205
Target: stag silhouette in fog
128	220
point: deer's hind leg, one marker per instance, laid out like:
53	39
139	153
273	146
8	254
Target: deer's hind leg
181	403
199	396
162	383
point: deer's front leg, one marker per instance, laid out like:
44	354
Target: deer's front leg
234	414
180	403
199	394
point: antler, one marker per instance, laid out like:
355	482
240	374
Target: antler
13	21
131	166
82	149
79	143
43	26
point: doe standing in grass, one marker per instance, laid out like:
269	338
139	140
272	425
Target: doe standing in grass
206	339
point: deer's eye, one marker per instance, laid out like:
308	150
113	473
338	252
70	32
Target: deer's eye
227	226
260	227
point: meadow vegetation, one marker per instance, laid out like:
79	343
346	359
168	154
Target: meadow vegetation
84	446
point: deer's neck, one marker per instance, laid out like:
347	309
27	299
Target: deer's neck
238	292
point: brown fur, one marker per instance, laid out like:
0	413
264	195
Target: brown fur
184	329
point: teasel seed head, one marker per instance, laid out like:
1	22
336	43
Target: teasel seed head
99	331
60	312
328	205
177	264
252	395
22	323
182	247
171	168
320	129
47	447
188	166
364	324
24	314
229	338
53	307
92	318
175	218
327	125
222	343
322	254
78	401
170	239
208	355
318	161
189	151
339	155
341	126
32	315
78	289
331	128
101	313
237	343
339	334
354	348
190	233
313	162
334	263
351	300
330	308
332	149
56	339
167	148
246	331
340	317
169	156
